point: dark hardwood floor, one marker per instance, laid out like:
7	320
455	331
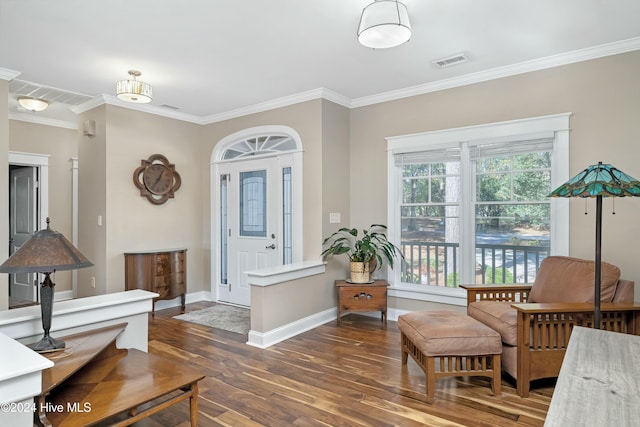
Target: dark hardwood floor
330	376
17	302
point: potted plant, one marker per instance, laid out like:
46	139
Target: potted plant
365	251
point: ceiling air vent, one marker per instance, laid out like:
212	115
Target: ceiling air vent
171	107
452	60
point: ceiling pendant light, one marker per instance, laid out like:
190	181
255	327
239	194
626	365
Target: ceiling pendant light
384	24
134	90
32	104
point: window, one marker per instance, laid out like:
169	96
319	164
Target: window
469	205
263	145
253	203
287	216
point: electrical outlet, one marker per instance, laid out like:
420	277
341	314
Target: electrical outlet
93	282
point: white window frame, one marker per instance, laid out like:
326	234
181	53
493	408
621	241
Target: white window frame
556	126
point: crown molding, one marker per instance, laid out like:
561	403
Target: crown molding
43	121
500	72
257	108
7	74
281	102
595	52
151	109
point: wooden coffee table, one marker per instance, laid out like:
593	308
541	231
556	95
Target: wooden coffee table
92	381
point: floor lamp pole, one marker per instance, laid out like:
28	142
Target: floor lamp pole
596	299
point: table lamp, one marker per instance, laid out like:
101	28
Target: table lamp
46	252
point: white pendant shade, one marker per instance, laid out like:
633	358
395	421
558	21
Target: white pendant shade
32	104
134	90
384	24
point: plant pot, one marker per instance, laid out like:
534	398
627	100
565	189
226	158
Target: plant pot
359	272
373	264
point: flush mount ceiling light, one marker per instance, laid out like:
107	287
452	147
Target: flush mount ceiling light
384	24
32	104
134	90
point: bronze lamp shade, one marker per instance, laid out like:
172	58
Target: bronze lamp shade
46	252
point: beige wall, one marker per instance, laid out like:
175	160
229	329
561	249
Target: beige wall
304	118
324	129
335	166
60	145
92	184
276	306
131	222
4	190
602	94
344	165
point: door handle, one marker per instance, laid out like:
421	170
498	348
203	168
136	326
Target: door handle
271	246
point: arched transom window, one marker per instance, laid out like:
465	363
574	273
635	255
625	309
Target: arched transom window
263	145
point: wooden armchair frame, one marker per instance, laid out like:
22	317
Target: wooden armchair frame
544	329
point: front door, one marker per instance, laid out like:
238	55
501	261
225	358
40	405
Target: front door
250	192
22	225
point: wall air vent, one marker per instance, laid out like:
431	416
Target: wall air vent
451	60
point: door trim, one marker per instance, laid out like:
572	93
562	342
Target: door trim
297	184
42	162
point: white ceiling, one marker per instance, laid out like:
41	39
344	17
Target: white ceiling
214	58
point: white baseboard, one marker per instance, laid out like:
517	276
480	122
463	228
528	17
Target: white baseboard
189	298
274	336
62	295
267	339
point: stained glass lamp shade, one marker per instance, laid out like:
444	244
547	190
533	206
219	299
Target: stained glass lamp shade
601	180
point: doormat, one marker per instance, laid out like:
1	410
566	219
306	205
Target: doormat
226	317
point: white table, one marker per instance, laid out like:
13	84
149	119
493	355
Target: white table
599	382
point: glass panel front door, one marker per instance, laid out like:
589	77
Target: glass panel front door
253	203
249	224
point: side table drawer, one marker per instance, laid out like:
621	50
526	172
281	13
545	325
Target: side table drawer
357	298
362	297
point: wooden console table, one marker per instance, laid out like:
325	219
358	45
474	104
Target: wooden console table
598	381
162	271
362	297
93	381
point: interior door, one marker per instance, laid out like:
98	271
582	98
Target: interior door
22	225
249	226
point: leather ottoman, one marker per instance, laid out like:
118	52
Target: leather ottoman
462	345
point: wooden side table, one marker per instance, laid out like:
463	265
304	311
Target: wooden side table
362	297
161	271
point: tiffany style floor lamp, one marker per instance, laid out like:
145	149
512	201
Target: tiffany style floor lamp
601	180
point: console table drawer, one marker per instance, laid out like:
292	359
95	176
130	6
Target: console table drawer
161	271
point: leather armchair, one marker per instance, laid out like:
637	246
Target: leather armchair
535	321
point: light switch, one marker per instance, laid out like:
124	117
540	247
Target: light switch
334	218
